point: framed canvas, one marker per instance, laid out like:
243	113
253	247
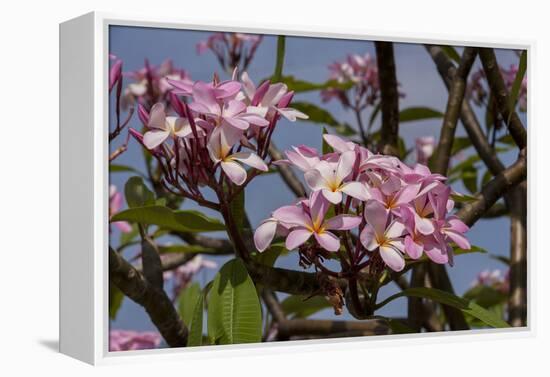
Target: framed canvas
242	189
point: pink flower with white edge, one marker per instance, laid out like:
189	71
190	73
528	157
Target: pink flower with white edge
115	204
231	113
161	127
307	221
329	178
219	147
266	231
387	238
302	156
265	99
338	144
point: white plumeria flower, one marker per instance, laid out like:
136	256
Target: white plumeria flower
162	127
219	146
329	178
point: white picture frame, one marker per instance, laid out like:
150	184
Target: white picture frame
84	191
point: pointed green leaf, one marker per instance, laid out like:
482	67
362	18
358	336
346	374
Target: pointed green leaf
418	113
164	217
195	326
234	311
451	53
322	116
187	300
449	299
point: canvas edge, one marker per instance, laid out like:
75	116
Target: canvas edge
102	21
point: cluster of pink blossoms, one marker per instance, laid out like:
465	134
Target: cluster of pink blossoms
150	83
362	71
129	340
495	279
231	49
477	89
218	124
396	210
184	274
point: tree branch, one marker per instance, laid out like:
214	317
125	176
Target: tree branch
454	105
494	189
500	93
389	133
157	304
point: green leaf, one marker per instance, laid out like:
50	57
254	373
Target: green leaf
302	307
469	178
485	296
114	168
185	249
164	217
195	326
115	300
234	311
279	61
449	299
269	256
137	194
516	86
451	53
187	300
129	236
300	86
418	113
326	147
460	144
321	116
398	327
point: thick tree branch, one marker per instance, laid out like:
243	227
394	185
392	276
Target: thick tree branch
286	173
447	70
500	93
494	190
452	113
328	328
157	304
517	304
389	134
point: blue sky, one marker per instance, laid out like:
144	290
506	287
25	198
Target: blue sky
307	59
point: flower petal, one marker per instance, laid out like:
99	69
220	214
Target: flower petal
377	216
315	180
412	248
343	222
250	159
296	238
345	165
264	234
328	241
234	172
153	139
393	258
356	190
368	238
423	225
333	197
292	215
292	114
459	239
157	117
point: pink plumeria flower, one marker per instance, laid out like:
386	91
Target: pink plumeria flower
162	127
388	238
265	99
302	156
129	340
310	221
219	147
338	144
393	194
115	204
266	231
329	178
425	147
232	112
